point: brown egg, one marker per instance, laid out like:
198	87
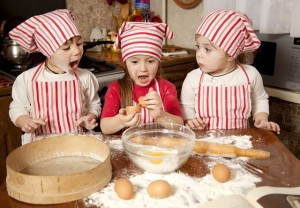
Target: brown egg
142	102
124	188
133	109
159	189
221	173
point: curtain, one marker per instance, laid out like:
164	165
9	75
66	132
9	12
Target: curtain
268	16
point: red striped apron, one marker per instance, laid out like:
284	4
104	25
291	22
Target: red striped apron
224	107
145	113
59	101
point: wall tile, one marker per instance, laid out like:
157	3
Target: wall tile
93	13
290	125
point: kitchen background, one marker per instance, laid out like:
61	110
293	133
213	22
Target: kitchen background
284	103
184	22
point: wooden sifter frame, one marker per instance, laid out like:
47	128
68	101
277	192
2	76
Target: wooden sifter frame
52	189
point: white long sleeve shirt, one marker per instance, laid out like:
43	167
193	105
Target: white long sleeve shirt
22	91
189	91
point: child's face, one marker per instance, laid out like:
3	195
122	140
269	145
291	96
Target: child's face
67	57
211	58
142	69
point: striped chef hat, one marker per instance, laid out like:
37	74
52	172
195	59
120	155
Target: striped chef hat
230	30
45	33
142	38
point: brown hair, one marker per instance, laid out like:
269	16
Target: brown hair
126	88
246	58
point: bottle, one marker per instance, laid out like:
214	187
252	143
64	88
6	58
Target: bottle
142	7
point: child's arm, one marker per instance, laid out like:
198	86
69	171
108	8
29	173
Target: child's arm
111	125
261	121
260	105
28	124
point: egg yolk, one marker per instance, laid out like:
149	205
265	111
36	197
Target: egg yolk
156	154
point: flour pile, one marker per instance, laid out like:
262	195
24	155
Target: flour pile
187	191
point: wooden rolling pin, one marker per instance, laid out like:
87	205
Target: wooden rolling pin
205	148
228	150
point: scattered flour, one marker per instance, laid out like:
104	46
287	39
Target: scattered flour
242	141
187	191
115	144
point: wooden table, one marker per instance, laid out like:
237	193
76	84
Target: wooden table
281	169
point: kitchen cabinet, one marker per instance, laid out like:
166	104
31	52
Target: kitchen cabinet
10	135
173	68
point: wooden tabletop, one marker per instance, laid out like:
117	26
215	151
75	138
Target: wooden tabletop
281	169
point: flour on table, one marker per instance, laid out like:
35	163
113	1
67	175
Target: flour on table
187	191
242	141
115	144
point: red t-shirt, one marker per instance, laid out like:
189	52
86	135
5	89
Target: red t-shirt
168	93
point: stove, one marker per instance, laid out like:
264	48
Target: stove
105	72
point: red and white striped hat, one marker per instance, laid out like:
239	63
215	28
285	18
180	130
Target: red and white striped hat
45	33
142	38
230	30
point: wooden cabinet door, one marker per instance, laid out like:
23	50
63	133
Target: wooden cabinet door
10	135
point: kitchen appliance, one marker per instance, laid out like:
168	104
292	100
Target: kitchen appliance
278	61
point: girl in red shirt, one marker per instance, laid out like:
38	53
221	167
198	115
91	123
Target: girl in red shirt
141	47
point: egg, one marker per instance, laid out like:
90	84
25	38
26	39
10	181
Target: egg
124	189
159	189
142	102
133	109
221	173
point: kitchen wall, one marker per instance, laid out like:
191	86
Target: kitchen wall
287	115
93	13
97	13
184	23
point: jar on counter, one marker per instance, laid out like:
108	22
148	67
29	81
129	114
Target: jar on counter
142	7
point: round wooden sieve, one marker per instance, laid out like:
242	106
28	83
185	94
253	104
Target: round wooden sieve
58	169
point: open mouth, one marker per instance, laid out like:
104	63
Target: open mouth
74	64
144	79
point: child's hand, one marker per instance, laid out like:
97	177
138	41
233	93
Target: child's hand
154	103
269	125
132	119
31	124
87	122
195	123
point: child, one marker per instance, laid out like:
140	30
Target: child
223	91
141	47
56	96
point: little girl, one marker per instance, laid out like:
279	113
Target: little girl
56	96
141	47
223	91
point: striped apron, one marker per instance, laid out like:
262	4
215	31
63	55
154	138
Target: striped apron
224	107
58	101
145	113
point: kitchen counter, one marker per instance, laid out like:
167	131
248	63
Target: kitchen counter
281	169
114	57
287	95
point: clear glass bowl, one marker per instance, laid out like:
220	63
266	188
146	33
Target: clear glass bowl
158	147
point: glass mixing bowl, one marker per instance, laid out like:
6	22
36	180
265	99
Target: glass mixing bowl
158	147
